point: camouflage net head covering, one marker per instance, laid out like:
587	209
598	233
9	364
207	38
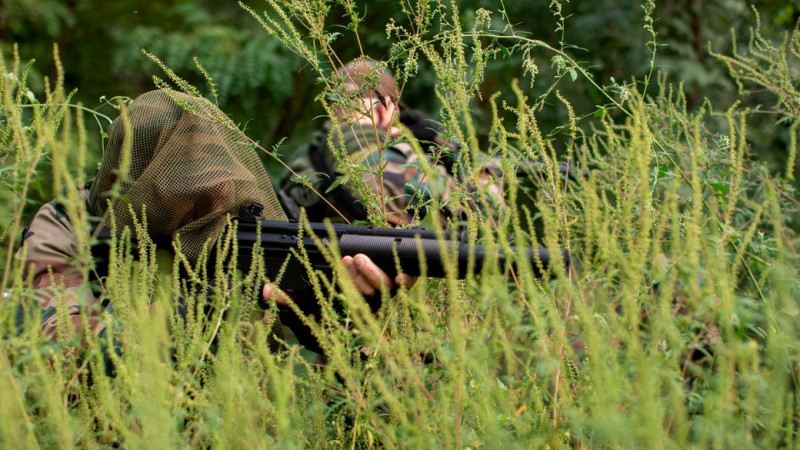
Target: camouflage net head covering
189	168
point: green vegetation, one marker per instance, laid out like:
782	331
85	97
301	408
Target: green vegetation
676	324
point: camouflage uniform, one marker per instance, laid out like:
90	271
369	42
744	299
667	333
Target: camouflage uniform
48	252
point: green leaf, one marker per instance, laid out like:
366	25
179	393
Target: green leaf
721	188
332	37
338	181
663	170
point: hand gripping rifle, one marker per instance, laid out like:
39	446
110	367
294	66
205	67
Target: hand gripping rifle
280	240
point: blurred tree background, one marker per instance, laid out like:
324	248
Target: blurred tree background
271	92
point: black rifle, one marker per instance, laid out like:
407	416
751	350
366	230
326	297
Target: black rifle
279	239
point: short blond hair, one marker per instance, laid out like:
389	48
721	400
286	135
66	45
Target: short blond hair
370	78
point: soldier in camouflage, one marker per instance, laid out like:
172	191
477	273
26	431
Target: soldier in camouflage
357	168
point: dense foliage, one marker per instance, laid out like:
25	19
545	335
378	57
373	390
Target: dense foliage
271	91
675	325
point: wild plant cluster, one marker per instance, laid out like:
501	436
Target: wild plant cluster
674	324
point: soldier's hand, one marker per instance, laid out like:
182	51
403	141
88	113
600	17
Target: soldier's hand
367	276
272	293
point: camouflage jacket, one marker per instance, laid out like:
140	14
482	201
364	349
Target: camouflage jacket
62	289
361	174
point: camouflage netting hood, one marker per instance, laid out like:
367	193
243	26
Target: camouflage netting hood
189	168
